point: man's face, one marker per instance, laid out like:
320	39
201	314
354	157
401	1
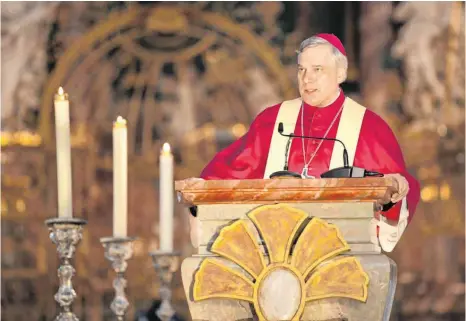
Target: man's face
319	76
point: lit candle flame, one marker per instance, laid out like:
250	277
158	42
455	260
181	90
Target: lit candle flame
166	150
60	95
120	122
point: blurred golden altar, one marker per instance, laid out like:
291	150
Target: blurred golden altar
195	74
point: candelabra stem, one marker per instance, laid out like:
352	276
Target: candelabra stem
118	250
66	234
165	264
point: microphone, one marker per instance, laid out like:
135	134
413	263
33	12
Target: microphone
285	172
287	149
341	172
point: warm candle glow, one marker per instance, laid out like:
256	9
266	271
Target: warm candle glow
120	122
166	150
61	95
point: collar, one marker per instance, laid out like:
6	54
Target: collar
329	110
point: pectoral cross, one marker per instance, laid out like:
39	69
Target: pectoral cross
305	174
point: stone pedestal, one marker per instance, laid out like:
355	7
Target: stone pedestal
287	250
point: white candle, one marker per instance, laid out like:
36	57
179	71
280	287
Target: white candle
63	151
166	199
120	177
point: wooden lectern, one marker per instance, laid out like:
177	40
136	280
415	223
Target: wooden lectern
287	249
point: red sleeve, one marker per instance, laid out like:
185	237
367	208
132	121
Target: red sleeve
378	150
245	158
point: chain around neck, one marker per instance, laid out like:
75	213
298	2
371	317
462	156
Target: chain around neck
306	164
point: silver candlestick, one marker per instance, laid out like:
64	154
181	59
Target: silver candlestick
66	234
165	264
118	250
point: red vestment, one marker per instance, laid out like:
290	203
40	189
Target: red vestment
377	149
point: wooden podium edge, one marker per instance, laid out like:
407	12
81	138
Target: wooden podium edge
198	192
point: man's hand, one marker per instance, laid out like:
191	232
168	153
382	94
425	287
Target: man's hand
402	187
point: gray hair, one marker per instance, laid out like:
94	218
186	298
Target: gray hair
313	41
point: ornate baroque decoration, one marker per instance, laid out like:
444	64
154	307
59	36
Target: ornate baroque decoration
162	65
431	45
193	74
25	26
304	263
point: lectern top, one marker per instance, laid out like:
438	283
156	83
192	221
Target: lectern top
198	192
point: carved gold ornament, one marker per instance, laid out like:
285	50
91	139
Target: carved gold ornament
304	264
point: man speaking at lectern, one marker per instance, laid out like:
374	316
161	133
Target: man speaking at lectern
323	111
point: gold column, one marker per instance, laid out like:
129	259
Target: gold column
353	73
452	53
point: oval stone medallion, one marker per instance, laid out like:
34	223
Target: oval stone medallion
279	295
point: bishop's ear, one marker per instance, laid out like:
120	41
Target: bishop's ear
341	75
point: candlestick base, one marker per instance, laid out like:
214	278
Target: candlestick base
66	316
118	250
66	234
165	264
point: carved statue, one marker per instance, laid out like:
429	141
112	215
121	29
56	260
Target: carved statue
422	45
25	26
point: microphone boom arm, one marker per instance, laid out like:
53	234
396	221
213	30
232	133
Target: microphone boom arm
345	151
286	153
340	172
